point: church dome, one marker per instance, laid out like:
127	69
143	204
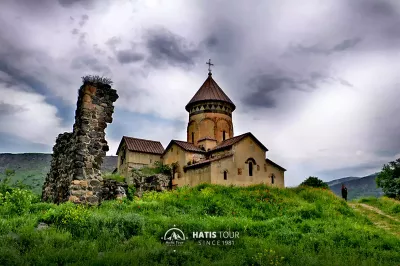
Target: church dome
210	91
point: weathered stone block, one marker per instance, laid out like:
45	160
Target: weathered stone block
74	199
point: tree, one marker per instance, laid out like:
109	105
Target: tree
313	181
389	179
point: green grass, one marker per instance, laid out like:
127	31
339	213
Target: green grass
385	204
116	177
292	226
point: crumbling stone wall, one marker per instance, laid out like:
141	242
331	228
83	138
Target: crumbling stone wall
157	182
77	157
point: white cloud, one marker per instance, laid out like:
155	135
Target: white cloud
29	116
330	127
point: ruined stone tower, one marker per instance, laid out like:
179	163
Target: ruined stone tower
77	157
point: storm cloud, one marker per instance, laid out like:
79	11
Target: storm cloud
317	84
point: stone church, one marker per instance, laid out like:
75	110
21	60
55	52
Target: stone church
211	152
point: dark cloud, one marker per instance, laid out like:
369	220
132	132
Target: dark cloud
128	56
224	41
89	63
8	109
265	87
69	3
82	38
168	48
379	9
113	42
84	19
317	49
97	50
357	170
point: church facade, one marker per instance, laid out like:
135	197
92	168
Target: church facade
211	152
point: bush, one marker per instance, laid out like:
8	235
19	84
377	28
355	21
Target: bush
130	194
313	181
17	202
116	177
389	179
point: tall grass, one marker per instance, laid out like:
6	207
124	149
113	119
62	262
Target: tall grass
387	205
294	226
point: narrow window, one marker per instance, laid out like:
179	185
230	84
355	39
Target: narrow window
239	171
225	175
223	135
192	137
265	167
151	160
250	169
258	167
272	178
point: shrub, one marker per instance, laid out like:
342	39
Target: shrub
313	181
388	179
18	201
130	194
116	177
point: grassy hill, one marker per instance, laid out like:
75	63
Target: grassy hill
341	180
358	187
290	226
32	168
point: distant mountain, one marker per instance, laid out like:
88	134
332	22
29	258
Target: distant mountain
32	168
357	186
341	180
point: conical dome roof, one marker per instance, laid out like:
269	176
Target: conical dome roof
210	91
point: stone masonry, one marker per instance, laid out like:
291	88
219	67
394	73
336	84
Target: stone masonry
77	157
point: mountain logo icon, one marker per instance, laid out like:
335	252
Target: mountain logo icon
174	236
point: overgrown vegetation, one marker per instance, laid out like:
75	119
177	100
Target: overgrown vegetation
117	177
387	205
96	79
389	179
313	181
292	226
157	168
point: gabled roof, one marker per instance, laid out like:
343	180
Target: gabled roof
229	142
275	164
141	145
210	91
187	146
204	162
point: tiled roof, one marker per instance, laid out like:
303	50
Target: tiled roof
275	164
207	138
207	161
187	146
210	91
229	142
142	145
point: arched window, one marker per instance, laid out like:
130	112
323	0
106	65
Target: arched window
251	162
272	178
223	135
225	175
250	168
192	137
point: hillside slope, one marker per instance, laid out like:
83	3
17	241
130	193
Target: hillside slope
360	187
341	180
268	226
32	168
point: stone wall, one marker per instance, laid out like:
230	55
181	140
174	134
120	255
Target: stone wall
77	157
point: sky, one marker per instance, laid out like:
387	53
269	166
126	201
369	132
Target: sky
316	82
